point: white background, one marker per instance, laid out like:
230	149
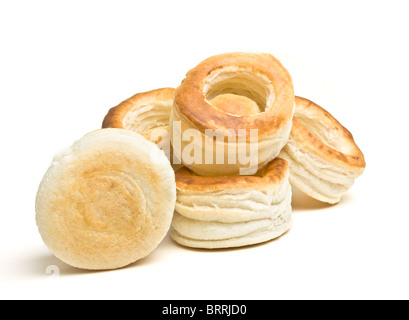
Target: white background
64	64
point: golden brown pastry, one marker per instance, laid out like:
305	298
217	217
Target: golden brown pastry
223	212
227	93
324	159
146	113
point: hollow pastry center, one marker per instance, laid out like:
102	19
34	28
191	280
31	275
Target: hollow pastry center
239	92
235	104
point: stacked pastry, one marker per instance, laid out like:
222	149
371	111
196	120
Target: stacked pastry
228	203
217	206
112	197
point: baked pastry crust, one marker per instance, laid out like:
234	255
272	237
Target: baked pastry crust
324	158
157	105
148	114
222	212
259	78
271	176
193	108
104	203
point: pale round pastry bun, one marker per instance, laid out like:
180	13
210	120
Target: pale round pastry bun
146	113
241	98
107	201
223	212
323	156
